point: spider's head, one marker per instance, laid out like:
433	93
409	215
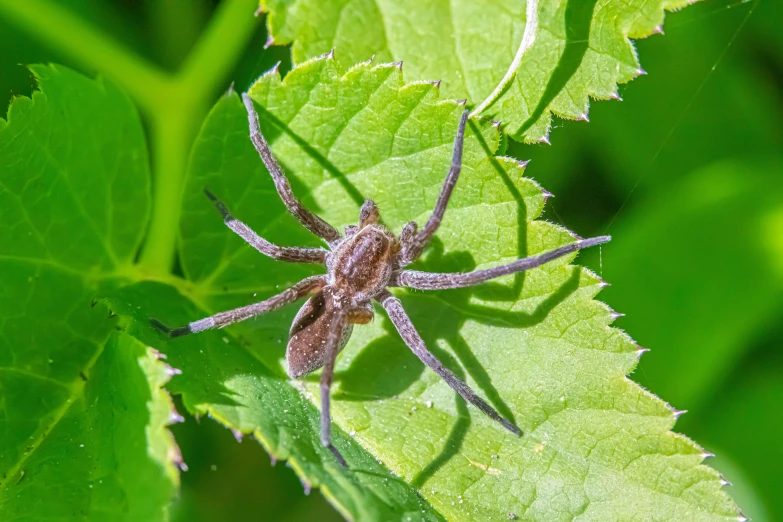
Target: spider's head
362	264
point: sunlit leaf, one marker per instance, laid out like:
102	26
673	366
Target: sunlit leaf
537	346
582	48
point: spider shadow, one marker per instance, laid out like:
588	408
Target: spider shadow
386	367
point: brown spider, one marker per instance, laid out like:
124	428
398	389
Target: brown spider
360	267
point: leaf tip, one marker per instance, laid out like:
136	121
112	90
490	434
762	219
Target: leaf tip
175	417
658	30
270	40
582	117
616	315
615	96
238	435
678	413
171	371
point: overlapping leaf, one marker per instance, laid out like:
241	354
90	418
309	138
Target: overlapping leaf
595	445
82	417
582	47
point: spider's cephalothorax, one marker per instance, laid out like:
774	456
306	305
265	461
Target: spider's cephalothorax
360	267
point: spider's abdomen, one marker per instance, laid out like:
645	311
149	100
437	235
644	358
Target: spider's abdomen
362	264
307	343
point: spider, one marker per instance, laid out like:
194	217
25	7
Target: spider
361	266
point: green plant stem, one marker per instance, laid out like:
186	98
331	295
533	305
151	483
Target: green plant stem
217	51
66	32
205	69
174	104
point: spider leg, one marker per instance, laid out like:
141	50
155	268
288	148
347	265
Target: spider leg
313	223
414	248
289	254
434	281
331	351
296	292
414	341
407	235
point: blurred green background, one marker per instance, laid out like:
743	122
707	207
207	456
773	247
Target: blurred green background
686	173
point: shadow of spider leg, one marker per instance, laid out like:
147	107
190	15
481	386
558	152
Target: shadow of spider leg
408	332
440	281
313	223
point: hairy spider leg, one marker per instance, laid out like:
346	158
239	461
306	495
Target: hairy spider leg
408	332
313	223
441	281
327	376
289	254
299	290
413	247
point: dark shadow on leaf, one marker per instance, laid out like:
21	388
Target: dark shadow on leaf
450	448
383	368
341	178
497	291
578	18
386	367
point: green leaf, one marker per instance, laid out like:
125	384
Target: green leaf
105	452
751	401
83	415
536	345
736	202
582	48
222	378
74	188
